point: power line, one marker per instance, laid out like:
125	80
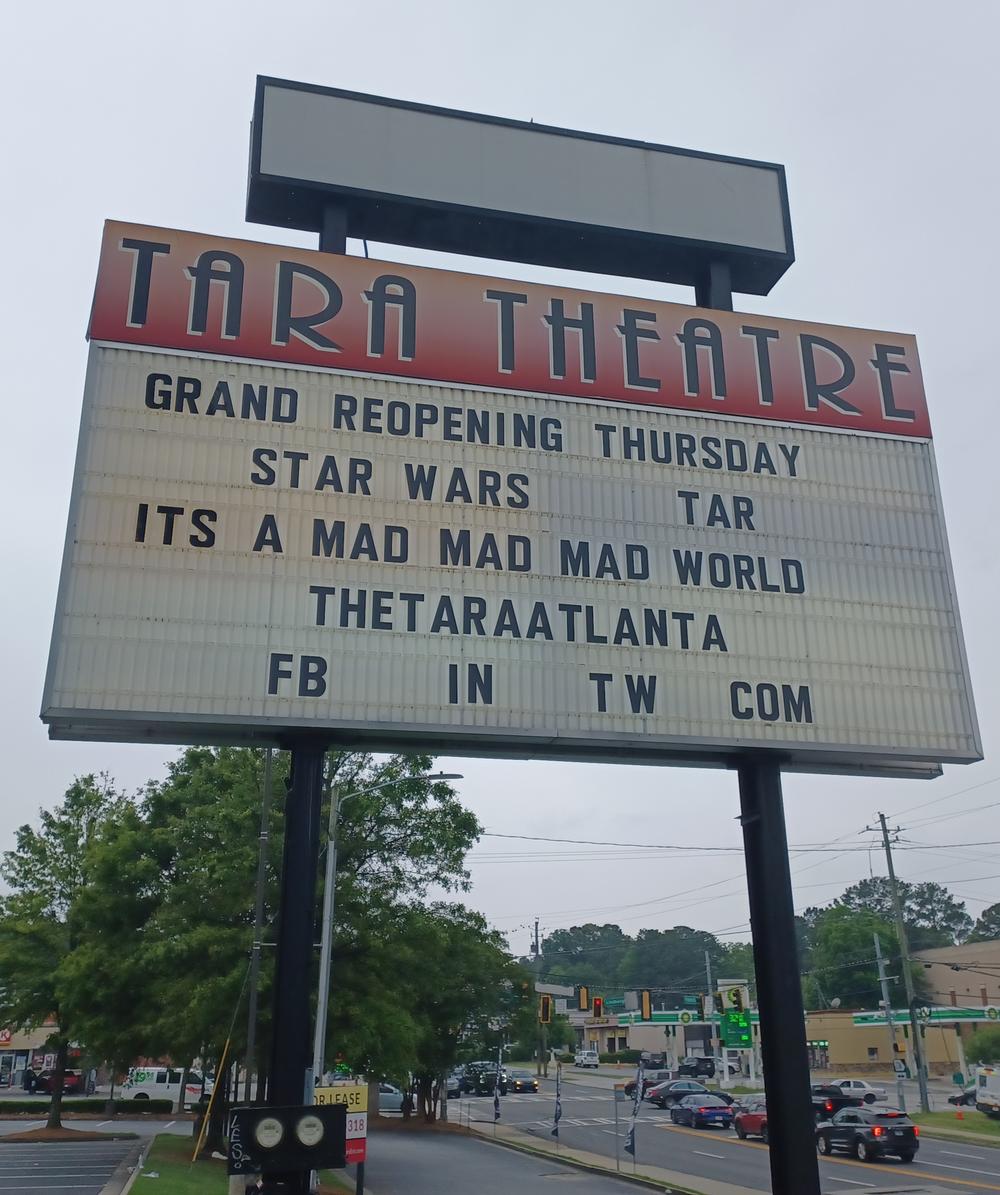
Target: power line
946	796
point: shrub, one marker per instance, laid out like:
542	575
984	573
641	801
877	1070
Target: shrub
621	1056
96	1104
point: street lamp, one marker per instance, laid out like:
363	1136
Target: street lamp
326	942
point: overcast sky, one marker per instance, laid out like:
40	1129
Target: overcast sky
884	117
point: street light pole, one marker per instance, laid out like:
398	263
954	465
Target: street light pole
326	941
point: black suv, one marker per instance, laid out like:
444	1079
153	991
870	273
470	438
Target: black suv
869	1134
479	1078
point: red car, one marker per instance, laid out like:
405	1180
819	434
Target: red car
73	1082
751	1119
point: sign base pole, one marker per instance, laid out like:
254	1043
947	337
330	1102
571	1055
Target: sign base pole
794	1165
290	1044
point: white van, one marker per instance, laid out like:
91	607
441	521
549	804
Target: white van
163	1083
586	1058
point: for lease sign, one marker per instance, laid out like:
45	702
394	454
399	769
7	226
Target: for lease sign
402	505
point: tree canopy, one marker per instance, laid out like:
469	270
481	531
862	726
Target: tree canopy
132	919
987	927
41	924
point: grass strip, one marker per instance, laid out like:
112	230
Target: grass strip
972	1122
169	1158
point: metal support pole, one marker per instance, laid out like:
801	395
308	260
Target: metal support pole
794	1167
326	940
290	1038
258	930
333	235
715	287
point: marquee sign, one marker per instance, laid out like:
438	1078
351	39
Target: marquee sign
407	506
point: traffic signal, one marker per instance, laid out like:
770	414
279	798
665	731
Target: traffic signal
719	1005
598	1009
645	1006
736	998
545	1009
583	998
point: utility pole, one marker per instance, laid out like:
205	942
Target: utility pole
904	948
711	1015
887	1005
542	1064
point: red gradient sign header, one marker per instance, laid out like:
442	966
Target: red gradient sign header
203	294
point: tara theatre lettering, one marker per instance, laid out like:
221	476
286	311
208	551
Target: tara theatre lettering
400	506
194	293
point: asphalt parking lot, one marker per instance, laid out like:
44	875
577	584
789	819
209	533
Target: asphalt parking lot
82	1167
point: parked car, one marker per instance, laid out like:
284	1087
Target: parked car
586	1058
869	1134
868	1092
164	1083
74	1082
964	1099
649	1079
653	1059
665	1095
454	1084
751	1118
390	1098
699	1111
521	1081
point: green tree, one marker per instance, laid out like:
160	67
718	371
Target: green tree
735	961
984	1045
843	962
461	987
176	895
589	954
933	917
987	927
40	922
672	961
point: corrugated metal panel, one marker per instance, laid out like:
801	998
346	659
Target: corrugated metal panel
152	630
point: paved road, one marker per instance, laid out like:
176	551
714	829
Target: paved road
427	1164
81	1168
589	1123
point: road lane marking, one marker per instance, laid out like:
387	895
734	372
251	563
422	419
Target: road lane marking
968	1169
952	1153
701	1154
853	1181
965	1182
961	1182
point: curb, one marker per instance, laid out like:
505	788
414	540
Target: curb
566	1159
127	1170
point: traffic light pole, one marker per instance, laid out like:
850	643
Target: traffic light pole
794	1166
